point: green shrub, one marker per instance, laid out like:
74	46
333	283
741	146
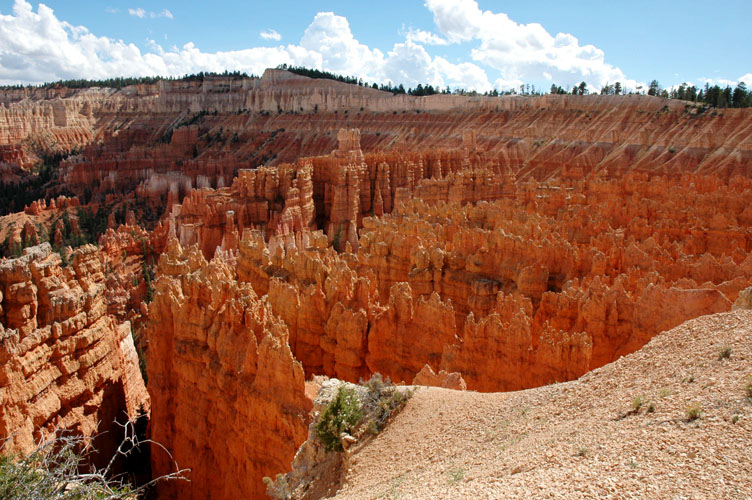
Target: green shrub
455	473
725	353
342	415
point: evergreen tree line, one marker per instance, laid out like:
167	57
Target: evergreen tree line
419	90
715	96
15	196
120	82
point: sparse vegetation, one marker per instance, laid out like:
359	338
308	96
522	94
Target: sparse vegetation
58	469
748	386
725	353
342	415
278	488
33	185
637	403
53	474
381	401
456	473
358	413
337	237
694	411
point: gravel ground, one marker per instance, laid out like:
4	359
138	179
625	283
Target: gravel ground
582	439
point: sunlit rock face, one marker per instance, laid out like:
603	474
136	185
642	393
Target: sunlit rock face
228	396
309	227
65	364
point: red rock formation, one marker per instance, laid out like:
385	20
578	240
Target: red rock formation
170	137
228	397
554	282
513	241
61	202
426	376
65	364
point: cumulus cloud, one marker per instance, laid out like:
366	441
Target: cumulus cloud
141	13
425	37
523	52
37	47
270	35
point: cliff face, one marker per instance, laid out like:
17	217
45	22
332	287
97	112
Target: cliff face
65	364
170	137
228	397
313	227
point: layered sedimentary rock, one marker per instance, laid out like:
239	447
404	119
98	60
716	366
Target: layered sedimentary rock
166	138
228	397
323	228
560	279
65	364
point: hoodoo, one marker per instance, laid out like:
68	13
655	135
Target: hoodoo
240	243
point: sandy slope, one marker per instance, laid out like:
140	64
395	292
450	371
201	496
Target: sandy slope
577	439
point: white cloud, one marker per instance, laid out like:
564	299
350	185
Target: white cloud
425	37
139	12
330	36
37	47
270	35
111	10
747	79
142	14
523	52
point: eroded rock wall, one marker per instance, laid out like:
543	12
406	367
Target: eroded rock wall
228	397
65	364
170	137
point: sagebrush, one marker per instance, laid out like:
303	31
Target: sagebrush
342	415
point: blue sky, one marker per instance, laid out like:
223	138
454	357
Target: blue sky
460	43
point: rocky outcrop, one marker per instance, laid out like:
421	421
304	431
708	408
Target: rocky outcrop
61	202
228	397
426	376
65	364
744	301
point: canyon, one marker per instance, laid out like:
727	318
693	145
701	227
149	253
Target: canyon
253	233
